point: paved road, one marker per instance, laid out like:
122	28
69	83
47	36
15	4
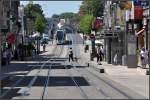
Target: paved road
56	78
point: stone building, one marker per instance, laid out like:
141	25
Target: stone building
8	19
113	31
4	15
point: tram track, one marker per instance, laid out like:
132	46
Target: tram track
100	79
3	95
45	91
84	95
28	88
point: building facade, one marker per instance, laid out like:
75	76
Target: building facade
4	21
126	30
9	17
114	31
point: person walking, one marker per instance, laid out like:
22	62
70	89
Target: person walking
44	47
102	50
4	57
144	57
9	55
99	55
149	58
86	48
33	53
70	54
116	58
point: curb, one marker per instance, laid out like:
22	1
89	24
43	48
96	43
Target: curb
143	71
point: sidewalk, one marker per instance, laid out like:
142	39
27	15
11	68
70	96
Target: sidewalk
129	77
22	67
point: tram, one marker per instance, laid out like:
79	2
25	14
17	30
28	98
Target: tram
60	36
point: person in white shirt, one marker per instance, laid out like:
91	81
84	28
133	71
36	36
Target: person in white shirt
116	58
144	57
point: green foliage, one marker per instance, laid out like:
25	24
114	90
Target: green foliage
39	24
92	7
97	7
66	15
36	19
88	10
86	23
55	16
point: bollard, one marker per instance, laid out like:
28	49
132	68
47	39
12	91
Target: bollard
102	71
88	64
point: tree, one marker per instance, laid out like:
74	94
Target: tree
97	7
35	16
86	23
92	7
39	24
65	15
55	16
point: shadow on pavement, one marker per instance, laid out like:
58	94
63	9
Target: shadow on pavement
54	81
16	66
11	94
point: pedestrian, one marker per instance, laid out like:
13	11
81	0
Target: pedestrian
9	55
4	57
149	58
44	47
99	55
33	53
86	48
102	50
144	57
70	54
116	58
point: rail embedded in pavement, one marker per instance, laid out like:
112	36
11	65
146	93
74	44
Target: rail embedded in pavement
21	79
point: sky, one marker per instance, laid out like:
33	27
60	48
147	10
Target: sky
57	7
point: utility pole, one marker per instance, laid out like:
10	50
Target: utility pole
10	16
149	28
21	15
1	22
149	34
